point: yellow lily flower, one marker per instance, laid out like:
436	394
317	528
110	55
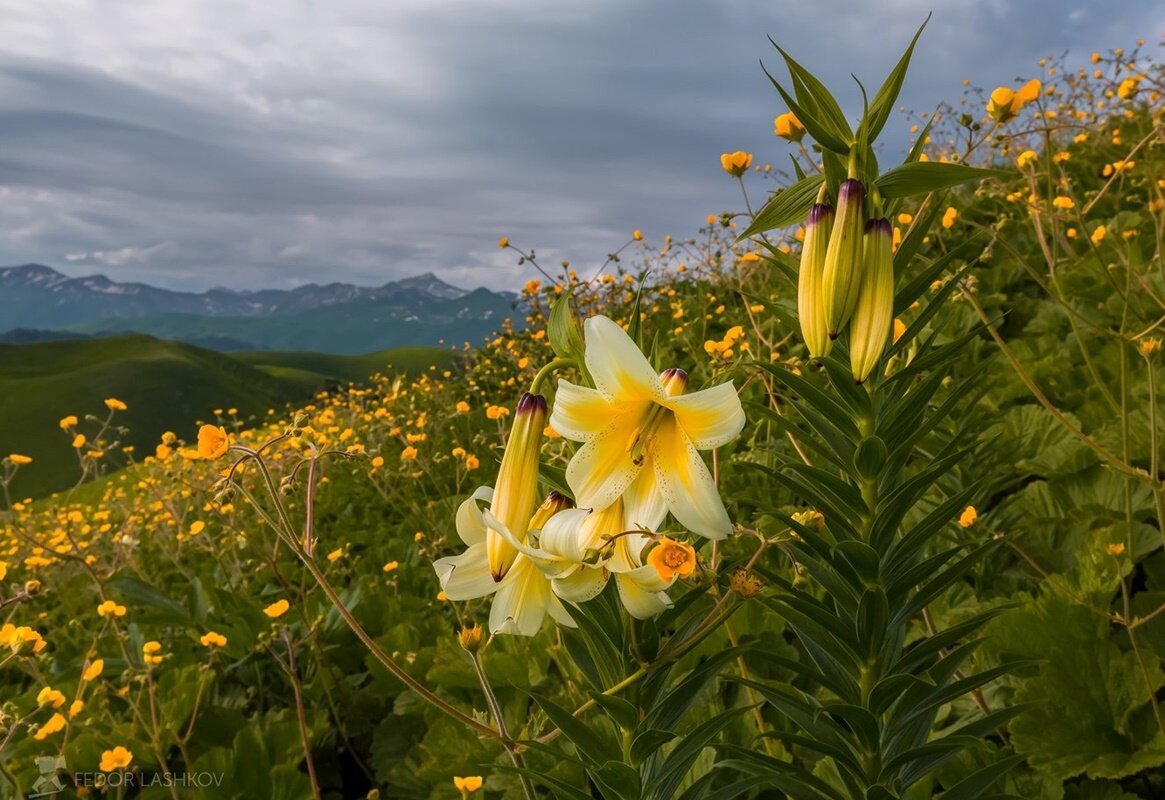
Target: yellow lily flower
636	421
524	596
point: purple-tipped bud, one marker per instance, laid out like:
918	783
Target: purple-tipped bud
841	277
810	304
674	380
874	313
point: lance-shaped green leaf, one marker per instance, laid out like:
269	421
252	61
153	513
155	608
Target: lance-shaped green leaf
593	747
883	102
977	783
787	207
822	130
812	93
922	177
666	780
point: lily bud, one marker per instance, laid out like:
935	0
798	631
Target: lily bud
874	313
516	489
810	306
841	276
554	502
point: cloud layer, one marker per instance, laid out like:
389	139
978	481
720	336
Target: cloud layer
195	143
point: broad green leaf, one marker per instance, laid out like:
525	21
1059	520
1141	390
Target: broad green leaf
563	329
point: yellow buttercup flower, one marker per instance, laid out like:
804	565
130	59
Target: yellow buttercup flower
113	404
94	670
117	758
109	607
636	420
49	696
213	441
17	458
152	653
212	639
468	785
68	422
55	724
787	126
949	217
968	517
736	164
277	609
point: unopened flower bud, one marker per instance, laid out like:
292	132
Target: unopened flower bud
32	586
554	502
841	275
517	484
470	638
874	314
810	304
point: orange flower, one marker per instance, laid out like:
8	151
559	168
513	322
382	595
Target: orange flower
736	164
213	441
671	558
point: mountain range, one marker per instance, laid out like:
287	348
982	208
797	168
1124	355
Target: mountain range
331	318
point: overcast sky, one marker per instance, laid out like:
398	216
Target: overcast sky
199	143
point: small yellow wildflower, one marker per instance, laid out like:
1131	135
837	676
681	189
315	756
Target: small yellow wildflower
113	404
277	609
117	758
212	639
968	517
213	441
94	670
55	724
736	164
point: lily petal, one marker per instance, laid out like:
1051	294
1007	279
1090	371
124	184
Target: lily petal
620	370
710	417
639	602
560	535
522	600
585	584
579	412
686	483
471	527
542	558
643	505
602	468
649	580
465	576
559	614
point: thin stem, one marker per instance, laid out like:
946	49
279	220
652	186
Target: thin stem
386	660
548	370
495	709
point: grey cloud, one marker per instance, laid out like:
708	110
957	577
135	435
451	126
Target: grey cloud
363	141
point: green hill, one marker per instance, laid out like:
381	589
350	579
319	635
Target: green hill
302	364
166	385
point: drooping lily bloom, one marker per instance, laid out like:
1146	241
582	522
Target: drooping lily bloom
637	421
524	596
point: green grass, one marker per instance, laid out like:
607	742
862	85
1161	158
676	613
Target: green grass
167	386
300	365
